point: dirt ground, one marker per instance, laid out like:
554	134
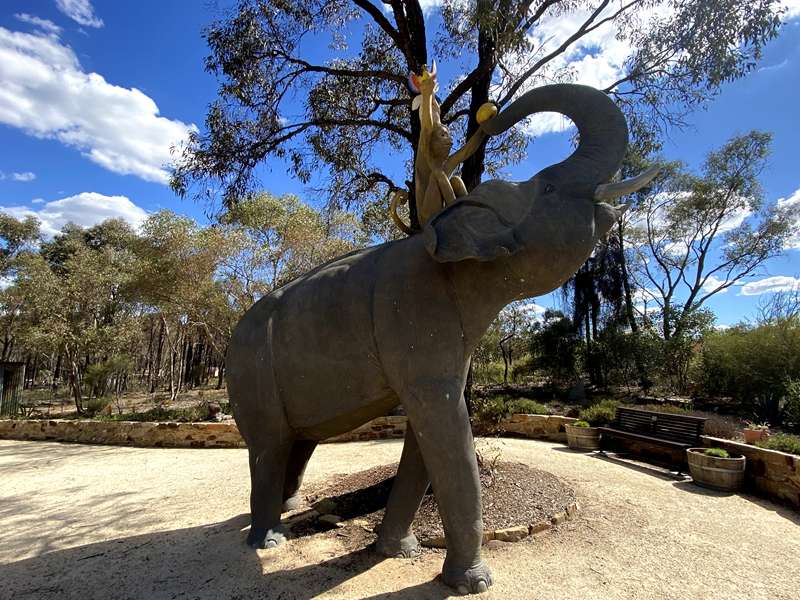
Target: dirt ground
94	522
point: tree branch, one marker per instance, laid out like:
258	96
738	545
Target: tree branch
379	18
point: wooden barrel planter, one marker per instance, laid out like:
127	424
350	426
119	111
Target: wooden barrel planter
724	474
583	438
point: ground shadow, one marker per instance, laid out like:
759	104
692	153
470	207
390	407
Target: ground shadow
647	469
205	562
21	456
787	512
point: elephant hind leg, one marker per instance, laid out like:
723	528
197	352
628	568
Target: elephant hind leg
298	459
395	537
268	462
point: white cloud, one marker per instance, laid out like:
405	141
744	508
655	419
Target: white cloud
774	67
24	177
711	284
792	203
37	201
792	9
45	92
80	11
597	59
778	283
85	209
426	5
43	24
646	301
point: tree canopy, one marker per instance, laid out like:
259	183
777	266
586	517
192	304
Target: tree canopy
334	116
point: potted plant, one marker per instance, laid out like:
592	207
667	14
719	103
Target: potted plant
716	468
582	436
755	432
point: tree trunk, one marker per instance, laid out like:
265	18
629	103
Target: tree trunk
472	169
408	16
221	374
157	364
56	372
75	381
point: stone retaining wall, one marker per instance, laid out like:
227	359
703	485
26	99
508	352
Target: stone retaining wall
125	433
768	472
226	435
167	435
545	427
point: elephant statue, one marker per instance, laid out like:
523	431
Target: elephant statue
396	324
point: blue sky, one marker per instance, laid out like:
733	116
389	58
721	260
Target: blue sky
92	95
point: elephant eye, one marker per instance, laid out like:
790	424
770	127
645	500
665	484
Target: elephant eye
549	188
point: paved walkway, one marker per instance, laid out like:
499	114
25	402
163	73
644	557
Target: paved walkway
93	522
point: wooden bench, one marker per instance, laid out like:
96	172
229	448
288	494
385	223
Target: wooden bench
673	431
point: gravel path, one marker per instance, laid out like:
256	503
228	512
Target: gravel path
94	522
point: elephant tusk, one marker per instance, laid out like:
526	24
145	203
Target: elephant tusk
609	191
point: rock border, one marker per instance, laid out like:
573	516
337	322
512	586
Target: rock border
225	434
515	534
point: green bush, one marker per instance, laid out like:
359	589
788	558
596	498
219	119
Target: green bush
180	415
716	452
489	410
582	424
791	409
523	406
95	405
601	413
783	442
556	348
491	372
756	365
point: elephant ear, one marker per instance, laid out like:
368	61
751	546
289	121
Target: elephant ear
470	228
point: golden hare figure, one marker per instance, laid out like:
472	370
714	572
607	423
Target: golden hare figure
435	184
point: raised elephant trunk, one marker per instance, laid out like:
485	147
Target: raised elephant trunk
601	126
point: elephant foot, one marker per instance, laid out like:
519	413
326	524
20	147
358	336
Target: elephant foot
475	579
292	503
405	547
261	537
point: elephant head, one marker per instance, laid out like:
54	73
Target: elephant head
549	224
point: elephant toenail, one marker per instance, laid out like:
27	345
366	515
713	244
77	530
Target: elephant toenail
481	587
462	590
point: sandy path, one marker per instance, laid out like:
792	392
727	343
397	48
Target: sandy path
90	522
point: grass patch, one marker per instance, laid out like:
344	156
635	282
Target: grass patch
783	442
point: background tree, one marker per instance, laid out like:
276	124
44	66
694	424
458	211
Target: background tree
341	117
696	236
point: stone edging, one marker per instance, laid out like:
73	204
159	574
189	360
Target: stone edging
225	434
514	534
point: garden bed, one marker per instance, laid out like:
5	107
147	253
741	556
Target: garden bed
517	501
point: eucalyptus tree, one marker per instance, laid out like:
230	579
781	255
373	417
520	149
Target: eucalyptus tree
345	113
275	239
79	307
695	236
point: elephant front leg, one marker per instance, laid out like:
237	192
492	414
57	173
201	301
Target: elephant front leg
395	538
438	415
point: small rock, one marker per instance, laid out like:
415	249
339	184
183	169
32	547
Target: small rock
572	509
512	534
559	518
334	520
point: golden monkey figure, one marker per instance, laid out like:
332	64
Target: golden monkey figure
435	184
